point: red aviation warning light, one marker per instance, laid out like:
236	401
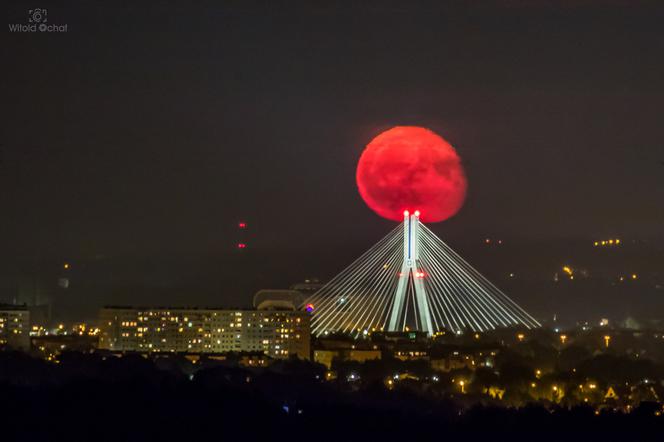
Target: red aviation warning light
242	235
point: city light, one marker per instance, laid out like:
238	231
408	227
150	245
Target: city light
495	241
141	145
611	242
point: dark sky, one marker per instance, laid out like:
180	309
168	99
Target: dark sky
148	129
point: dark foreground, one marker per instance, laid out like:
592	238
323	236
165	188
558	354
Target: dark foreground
90	398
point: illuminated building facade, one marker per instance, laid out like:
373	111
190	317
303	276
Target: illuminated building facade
15	326
276	333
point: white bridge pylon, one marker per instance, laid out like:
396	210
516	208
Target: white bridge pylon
411	272
412	280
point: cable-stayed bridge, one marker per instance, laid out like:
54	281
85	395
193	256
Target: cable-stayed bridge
412	280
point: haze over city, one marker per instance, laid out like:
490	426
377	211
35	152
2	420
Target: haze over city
446	204
156	131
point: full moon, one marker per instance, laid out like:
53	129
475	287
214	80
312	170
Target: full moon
411	168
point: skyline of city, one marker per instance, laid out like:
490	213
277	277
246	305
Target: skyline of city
332	220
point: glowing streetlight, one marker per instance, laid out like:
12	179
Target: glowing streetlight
607	339
563	338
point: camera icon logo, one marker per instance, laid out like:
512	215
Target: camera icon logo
38	15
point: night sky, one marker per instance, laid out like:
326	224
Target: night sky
132	145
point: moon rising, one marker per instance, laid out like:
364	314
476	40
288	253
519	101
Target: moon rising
411	168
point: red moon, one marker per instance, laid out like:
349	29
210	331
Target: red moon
411	168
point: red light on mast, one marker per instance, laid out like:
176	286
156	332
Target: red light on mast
241	245
417	213
406	213
242	225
